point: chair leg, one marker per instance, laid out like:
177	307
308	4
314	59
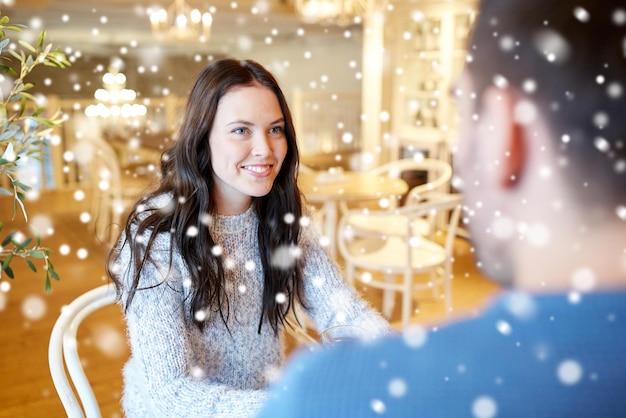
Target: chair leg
434	281
407	299
389	297
349	273
447	286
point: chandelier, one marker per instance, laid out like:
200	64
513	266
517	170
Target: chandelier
339	12
182	23
114	99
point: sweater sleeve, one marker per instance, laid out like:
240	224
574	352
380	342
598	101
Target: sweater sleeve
329	299
161	378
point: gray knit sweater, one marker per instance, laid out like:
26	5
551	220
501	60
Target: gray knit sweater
177	371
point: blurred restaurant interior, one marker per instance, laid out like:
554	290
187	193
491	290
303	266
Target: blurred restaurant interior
368	83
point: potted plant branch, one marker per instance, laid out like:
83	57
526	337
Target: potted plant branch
24	132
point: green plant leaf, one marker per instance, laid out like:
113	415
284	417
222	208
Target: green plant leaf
27	46
30	265
28	96
23	128
22	105
22	186
8	70
40	39
9	272
6	262
38	111
15	54
53	272
35	254
7	239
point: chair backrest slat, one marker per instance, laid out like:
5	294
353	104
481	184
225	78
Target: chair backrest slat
63	353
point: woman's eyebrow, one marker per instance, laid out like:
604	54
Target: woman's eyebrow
248	123
240	122
279	120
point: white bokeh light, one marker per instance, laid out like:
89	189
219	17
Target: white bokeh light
64	249
280	297
583	279
85	217
569	372
110	341
82	253
504	327
397	388
484	407
34	307
378	406
415	336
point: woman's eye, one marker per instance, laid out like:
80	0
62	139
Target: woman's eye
277	130
240	131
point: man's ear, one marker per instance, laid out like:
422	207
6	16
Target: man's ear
499	107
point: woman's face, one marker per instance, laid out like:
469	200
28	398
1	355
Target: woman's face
248	146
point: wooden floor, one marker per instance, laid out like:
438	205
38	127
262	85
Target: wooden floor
28	314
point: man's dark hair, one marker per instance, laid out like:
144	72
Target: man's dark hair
569	57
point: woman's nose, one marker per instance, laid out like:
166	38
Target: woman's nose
261	146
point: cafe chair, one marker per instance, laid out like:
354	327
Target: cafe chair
407	257
113	191
63	353
314	210
436	174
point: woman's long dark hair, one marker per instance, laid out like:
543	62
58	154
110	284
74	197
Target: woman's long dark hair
187	174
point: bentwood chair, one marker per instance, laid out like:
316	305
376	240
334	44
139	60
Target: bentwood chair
315	210
64	360
438	174
113	192
404	258
63	353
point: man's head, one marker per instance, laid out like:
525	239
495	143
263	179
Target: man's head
543	105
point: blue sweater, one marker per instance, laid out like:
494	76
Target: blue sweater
545	356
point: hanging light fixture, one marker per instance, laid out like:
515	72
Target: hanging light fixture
114	99
338	12
182	23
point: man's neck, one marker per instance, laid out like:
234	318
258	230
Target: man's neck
574	260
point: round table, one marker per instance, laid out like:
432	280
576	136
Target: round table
334	186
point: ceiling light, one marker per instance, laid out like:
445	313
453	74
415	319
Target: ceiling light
339	12
180	22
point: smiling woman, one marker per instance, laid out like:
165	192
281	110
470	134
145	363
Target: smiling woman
248	146
210	264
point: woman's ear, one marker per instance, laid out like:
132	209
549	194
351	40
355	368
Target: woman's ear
499	107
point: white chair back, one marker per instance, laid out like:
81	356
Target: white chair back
439	173
63	353
395	242
113	192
